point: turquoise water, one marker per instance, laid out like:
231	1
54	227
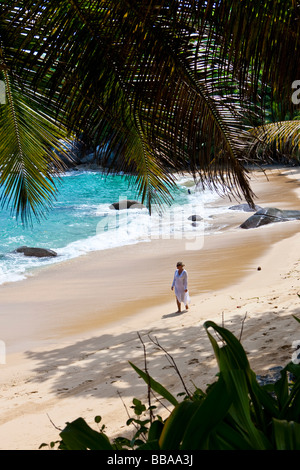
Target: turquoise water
81	221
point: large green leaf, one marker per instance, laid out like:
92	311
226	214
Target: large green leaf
287	435
156	386
241	381
176	424
290	407
227	436
236	382
77	435
155	430
207	416
232	355
281	388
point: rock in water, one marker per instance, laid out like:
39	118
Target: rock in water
127	204
37	252
269	215
195	217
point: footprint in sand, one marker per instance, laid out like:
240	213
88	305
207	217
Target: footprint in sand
193	361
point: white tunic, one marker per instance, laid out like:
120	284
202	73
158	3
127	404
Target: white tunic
180	284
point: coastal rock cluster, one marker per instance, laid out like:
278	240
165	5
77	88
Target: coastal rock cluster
269	215
36	252
262	216
265	215
127	204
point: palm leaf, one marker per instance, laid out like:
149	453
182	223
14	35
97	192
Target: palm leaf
162	77
146	76
258	38
29	163
283	137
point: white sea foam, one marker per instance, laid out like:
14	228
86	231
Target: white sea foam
10	276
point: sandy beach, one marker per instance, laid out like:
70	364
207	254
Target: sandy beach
69	330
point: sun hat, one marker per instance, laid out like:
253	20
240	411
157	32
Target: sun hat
180	263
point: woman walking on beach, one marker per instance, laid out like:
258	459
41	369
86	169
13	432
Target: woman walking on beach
181	287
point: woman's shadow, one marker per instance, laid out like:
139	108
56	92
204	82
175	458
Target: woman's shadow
174	314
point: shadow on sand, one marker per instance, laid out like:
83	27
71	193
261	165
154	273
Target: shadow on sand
174	314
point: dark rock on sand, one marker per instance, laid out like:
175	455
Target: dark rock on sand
269	215
37	252
195	218
127	204
244	208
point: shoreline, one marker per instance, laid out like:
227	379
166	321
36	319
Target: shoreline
69	342
57	301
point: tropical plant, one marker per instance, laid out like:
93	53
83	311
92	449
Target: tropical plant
235	412
168	85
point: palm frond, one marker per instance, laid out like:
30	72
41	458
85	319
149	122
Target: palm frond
261	41
282	137
142	62
29	162
167	85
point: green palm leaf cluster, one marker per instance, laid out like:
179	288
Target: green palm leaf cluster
235	412
30	142
283	136
29	163
163	86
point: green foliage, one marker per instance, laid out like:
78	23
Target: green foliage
235	412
